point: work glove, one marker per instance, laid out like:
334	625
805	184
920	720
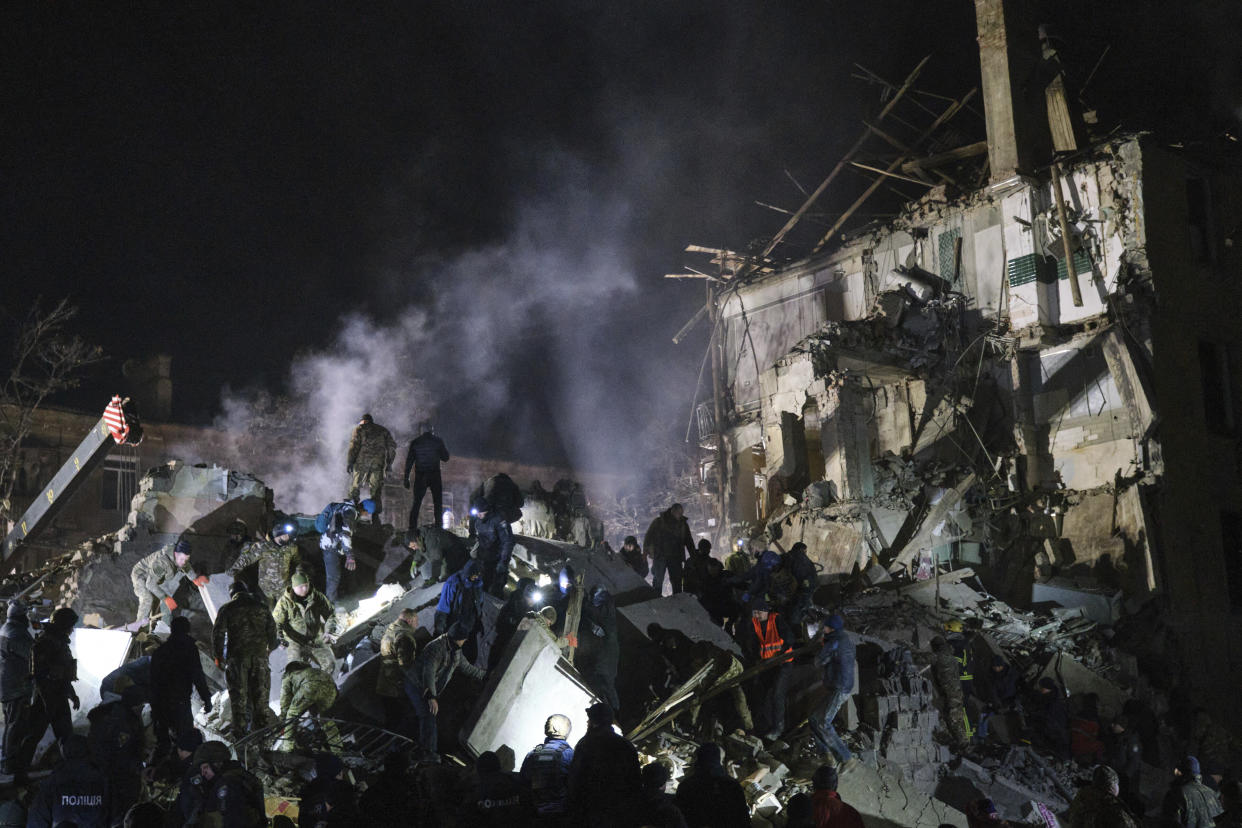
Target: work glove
350	563
170	603
75	702
202	581
406	482
572	638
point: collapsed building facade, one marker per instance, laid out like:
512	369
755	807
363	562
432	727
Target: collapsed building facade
1036	378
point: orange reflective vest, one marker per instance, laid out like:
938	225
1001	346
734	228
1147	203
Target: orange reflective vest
770	641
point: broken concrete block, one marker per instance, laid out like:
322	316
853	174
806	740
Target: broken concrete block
1100	604
681	612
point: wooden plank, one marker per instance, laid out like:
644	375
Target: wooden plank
892	174
968	151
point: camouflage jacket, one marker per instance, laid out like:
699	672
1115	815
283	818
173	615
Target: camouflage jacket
273	564
305	689
436	664
159	573
1191	805
371	446
304	620
397	651
244	629
947	671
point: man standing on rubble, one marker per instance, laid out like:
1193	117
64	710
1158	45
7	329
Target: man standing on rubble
306	623
1189	803
495	545
336	524
600	651
157	576
460	600
397	650
426	680
272	559
243	638
667	538
805	578
694	573
54	669
177	670
371	452
424	456
947	676
546	770
836	658
634	556
16	644
767	637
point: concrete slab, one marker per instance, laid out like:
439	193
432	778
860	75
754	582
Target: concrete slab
548	556
1100	604
681	612
1079	679
887	799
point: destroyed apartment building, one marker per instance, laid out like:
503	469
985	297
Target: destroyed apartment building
1037	378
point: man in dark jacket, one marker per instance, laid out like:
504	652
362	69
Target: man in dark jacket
694	573
1097	805
546	769
497	798
442	551
117	740
998	692
424	456
766	636
1049	717
76	792
657	808
806	578
134	674
1189	803
460	600
241	642
1124	753
667	538
707	796
16	644
495	541
599	650
634	556
604	774
836	659
225	794
175	671
426	679
54	669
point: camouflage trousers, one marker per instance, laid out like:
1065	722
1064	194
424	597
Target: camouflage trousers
955	721
249	681
302	704
146	599
318	655
739	696
369	478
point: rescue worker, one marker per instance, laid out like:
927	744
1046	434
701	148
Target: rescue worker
962	642
709	796
424	456
719	596
460	600
225	795
599	651
998	692
336	524
694	574
603	774
54	669
495	545
836	659
135	675
305	689
666	539
1097	805
157	577
739	561
176	662
371	452
546	769
306	623
525	598
947	675
1049	717
656	807
496	798
320	800
443	551
1125	755
272	559
117	740
688	657
827	804
633	556
767	637
16	644
241	642
1189	803
76	793
238	536
426	680
398	647
805	578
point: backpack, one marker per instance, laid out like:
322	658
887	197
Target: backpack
503	495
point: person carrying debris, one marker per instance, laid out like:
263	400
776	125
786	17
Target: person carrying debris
767	637
426	679
241	642
836	659
306	623
223	793
495	545
336	524
54	670
600	651
666	539
546	769
1099	804
687	657
707	795
271	558
460	600
1189	803
633	556
371	452
424	456
157	577
604	781
442	551
176	670
397	650
947	676
305	689
76	793
16	644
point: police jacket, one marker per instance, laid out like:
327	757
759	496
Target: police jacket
77	792
425	454
668	536
175	669
16	644
232	799
435	665
603	776
495	540
116	738
244	629
836	658
53	664
546	771
498	799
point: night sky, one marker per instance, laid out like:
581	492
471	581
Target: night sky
490	191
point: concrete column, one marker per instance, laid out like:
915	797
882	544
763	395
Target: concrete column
1015	109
